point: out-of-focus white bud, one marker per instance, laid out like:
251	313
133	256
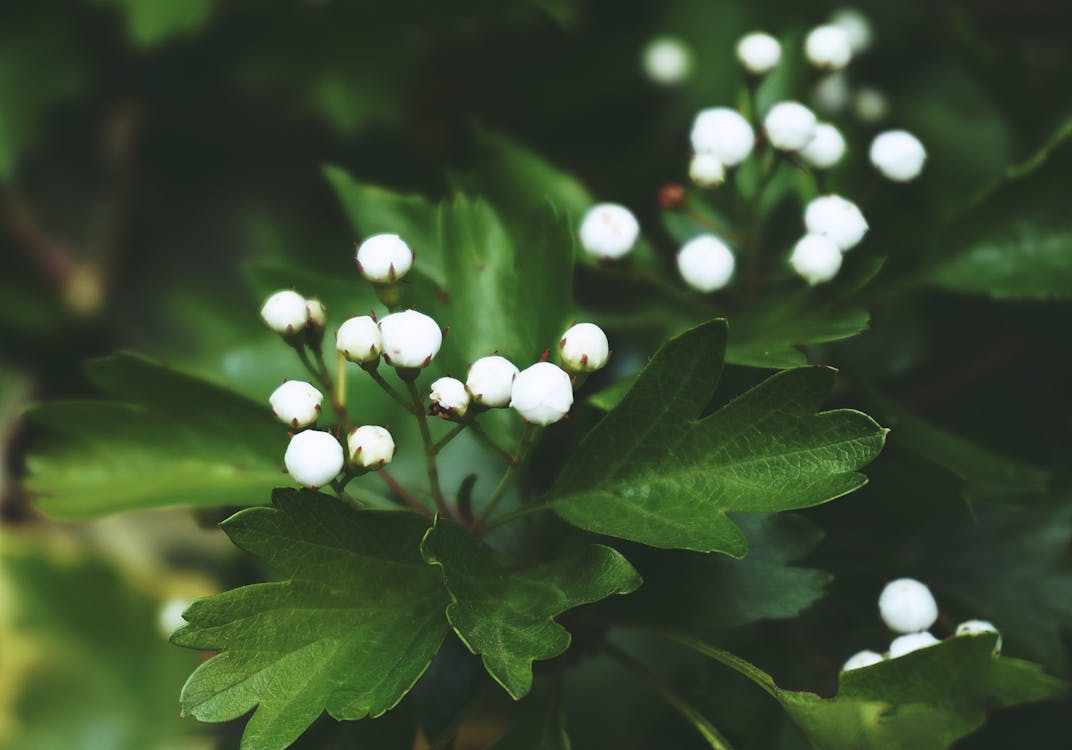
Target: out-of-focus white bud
542	394
758	52
316	313
837	219
828	47
898	155
705	263
815	258
169	618
789	126
862	659
667	60
584	348
449	397
826	148
856	27
871	105
979	627
370	447
313	458
490	381
609	231
296	403
384	258
832	93
723	133
907	606
410	339
706	171
285	312
906	644
359	339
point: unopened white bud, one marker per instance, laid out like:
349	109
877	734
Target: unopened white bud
837	219
542	394
169	618
285	312
706	171
449	397
313	458
871	105
898	155
906	644
584	348
705	263
758	52
826	148
296	403
832	93
315	313
410	339
856	27
828	47
907	606
370	447
723	133
384	258
815	258
667	60
862	659
789	126
979	627
490	381
359	339
609	231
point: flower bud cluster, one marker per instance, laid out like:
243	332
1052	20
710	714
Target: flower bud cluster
908	608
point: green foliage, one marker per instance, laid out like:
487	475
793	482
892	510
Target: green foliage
652	471
150	23
508	618
349	631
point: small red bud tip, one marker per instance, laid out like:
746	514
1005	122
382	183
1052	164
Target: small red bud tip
562	344
391	272
317	407
584	360
294	423
358	264
358	451
670	196
546	354
445	330
427	361
290	434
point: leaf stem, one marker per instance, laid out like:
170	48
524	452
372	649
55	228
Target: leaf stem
442	442
388	388
403	494
485	438
321	373
698	720
429	450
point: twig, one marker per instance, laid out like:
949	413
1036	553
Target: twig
429	451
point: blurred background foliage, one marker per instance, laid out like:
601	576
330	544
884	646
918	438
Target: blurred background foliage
162	160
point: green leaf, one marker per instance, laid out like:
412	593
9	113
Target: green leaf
701	593
149	23
925	700
654	472
508	617
349	631
165	438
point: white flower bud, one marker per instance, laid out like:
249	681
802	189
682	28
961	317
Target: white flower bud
898	155
667	60
862	659
359	339
449	397
790	126
758	52
906	644
490	380
296	403
285	312
609	231
542	394
706	171
370	447
384	258
979	627
907	606
723	133
871	105
584	348
410	339
856	27
828	47
815	258
832	92
315	313
705	263
826	148
169	617
837	219
313	458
